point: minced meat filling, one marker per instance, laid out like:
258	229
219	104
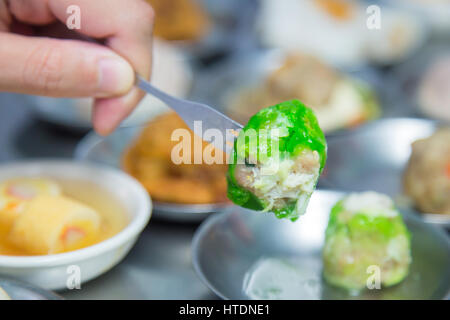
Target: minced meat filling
279	183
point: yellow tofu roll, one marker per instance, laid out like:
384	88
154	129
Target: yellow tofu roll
55	224
15	193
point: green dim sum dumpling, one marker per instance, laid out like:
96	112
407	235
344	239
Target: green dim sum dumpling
364	230
277	160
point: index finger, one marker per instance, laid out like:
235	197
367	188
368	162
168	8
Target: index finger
126	27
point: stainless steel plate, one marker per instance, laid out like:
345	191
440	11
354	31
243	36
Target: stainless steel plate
374	158
18	290
228	246
108	150
245	70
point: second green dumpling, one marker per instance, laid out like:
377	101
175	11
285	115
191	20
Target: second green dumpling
365	231
277	160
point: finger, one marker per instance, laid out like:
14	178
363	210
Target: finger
127	27
5	17
66	68
108	113
31	11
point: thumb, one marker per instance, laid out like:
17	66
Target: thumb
57	68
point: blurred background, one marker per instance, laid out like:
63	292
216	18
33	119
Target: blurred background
240	56
375	85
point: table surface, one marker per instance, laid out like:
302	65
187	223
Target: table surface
158	267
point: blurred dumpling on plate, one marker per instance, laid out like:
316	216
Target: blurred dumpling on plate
337	31
427	175
339	101
364	231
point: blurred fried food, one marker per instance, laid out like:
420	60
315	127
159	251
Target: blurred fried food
179	19
149	160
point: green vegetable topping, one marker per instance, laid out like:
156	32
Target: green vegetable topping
277	160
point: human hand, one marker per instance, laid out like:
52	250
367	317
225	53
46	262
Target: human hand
33	64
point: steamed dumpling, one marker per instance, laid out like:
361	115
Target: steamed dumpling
364	230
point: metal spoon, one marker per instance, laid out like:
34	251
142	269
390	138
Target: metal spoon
198	116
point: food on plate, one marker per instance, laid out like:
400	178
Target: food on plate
338	101
16	193
149	160
55	224
299	76
400	35
4	295
330	29
180	19
57	216
277	159
427	175
365	231
434	90
343	32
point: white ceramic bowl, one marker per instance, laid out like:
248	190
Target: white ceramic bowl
52	271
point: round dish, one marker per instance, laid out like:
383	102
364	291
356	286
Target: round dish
51	271
229	248
215	87
109	150
375	157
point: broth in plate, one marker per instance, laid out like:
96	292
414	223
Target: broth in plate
112	215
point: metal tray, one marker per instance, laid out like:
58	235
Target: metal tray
227	246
